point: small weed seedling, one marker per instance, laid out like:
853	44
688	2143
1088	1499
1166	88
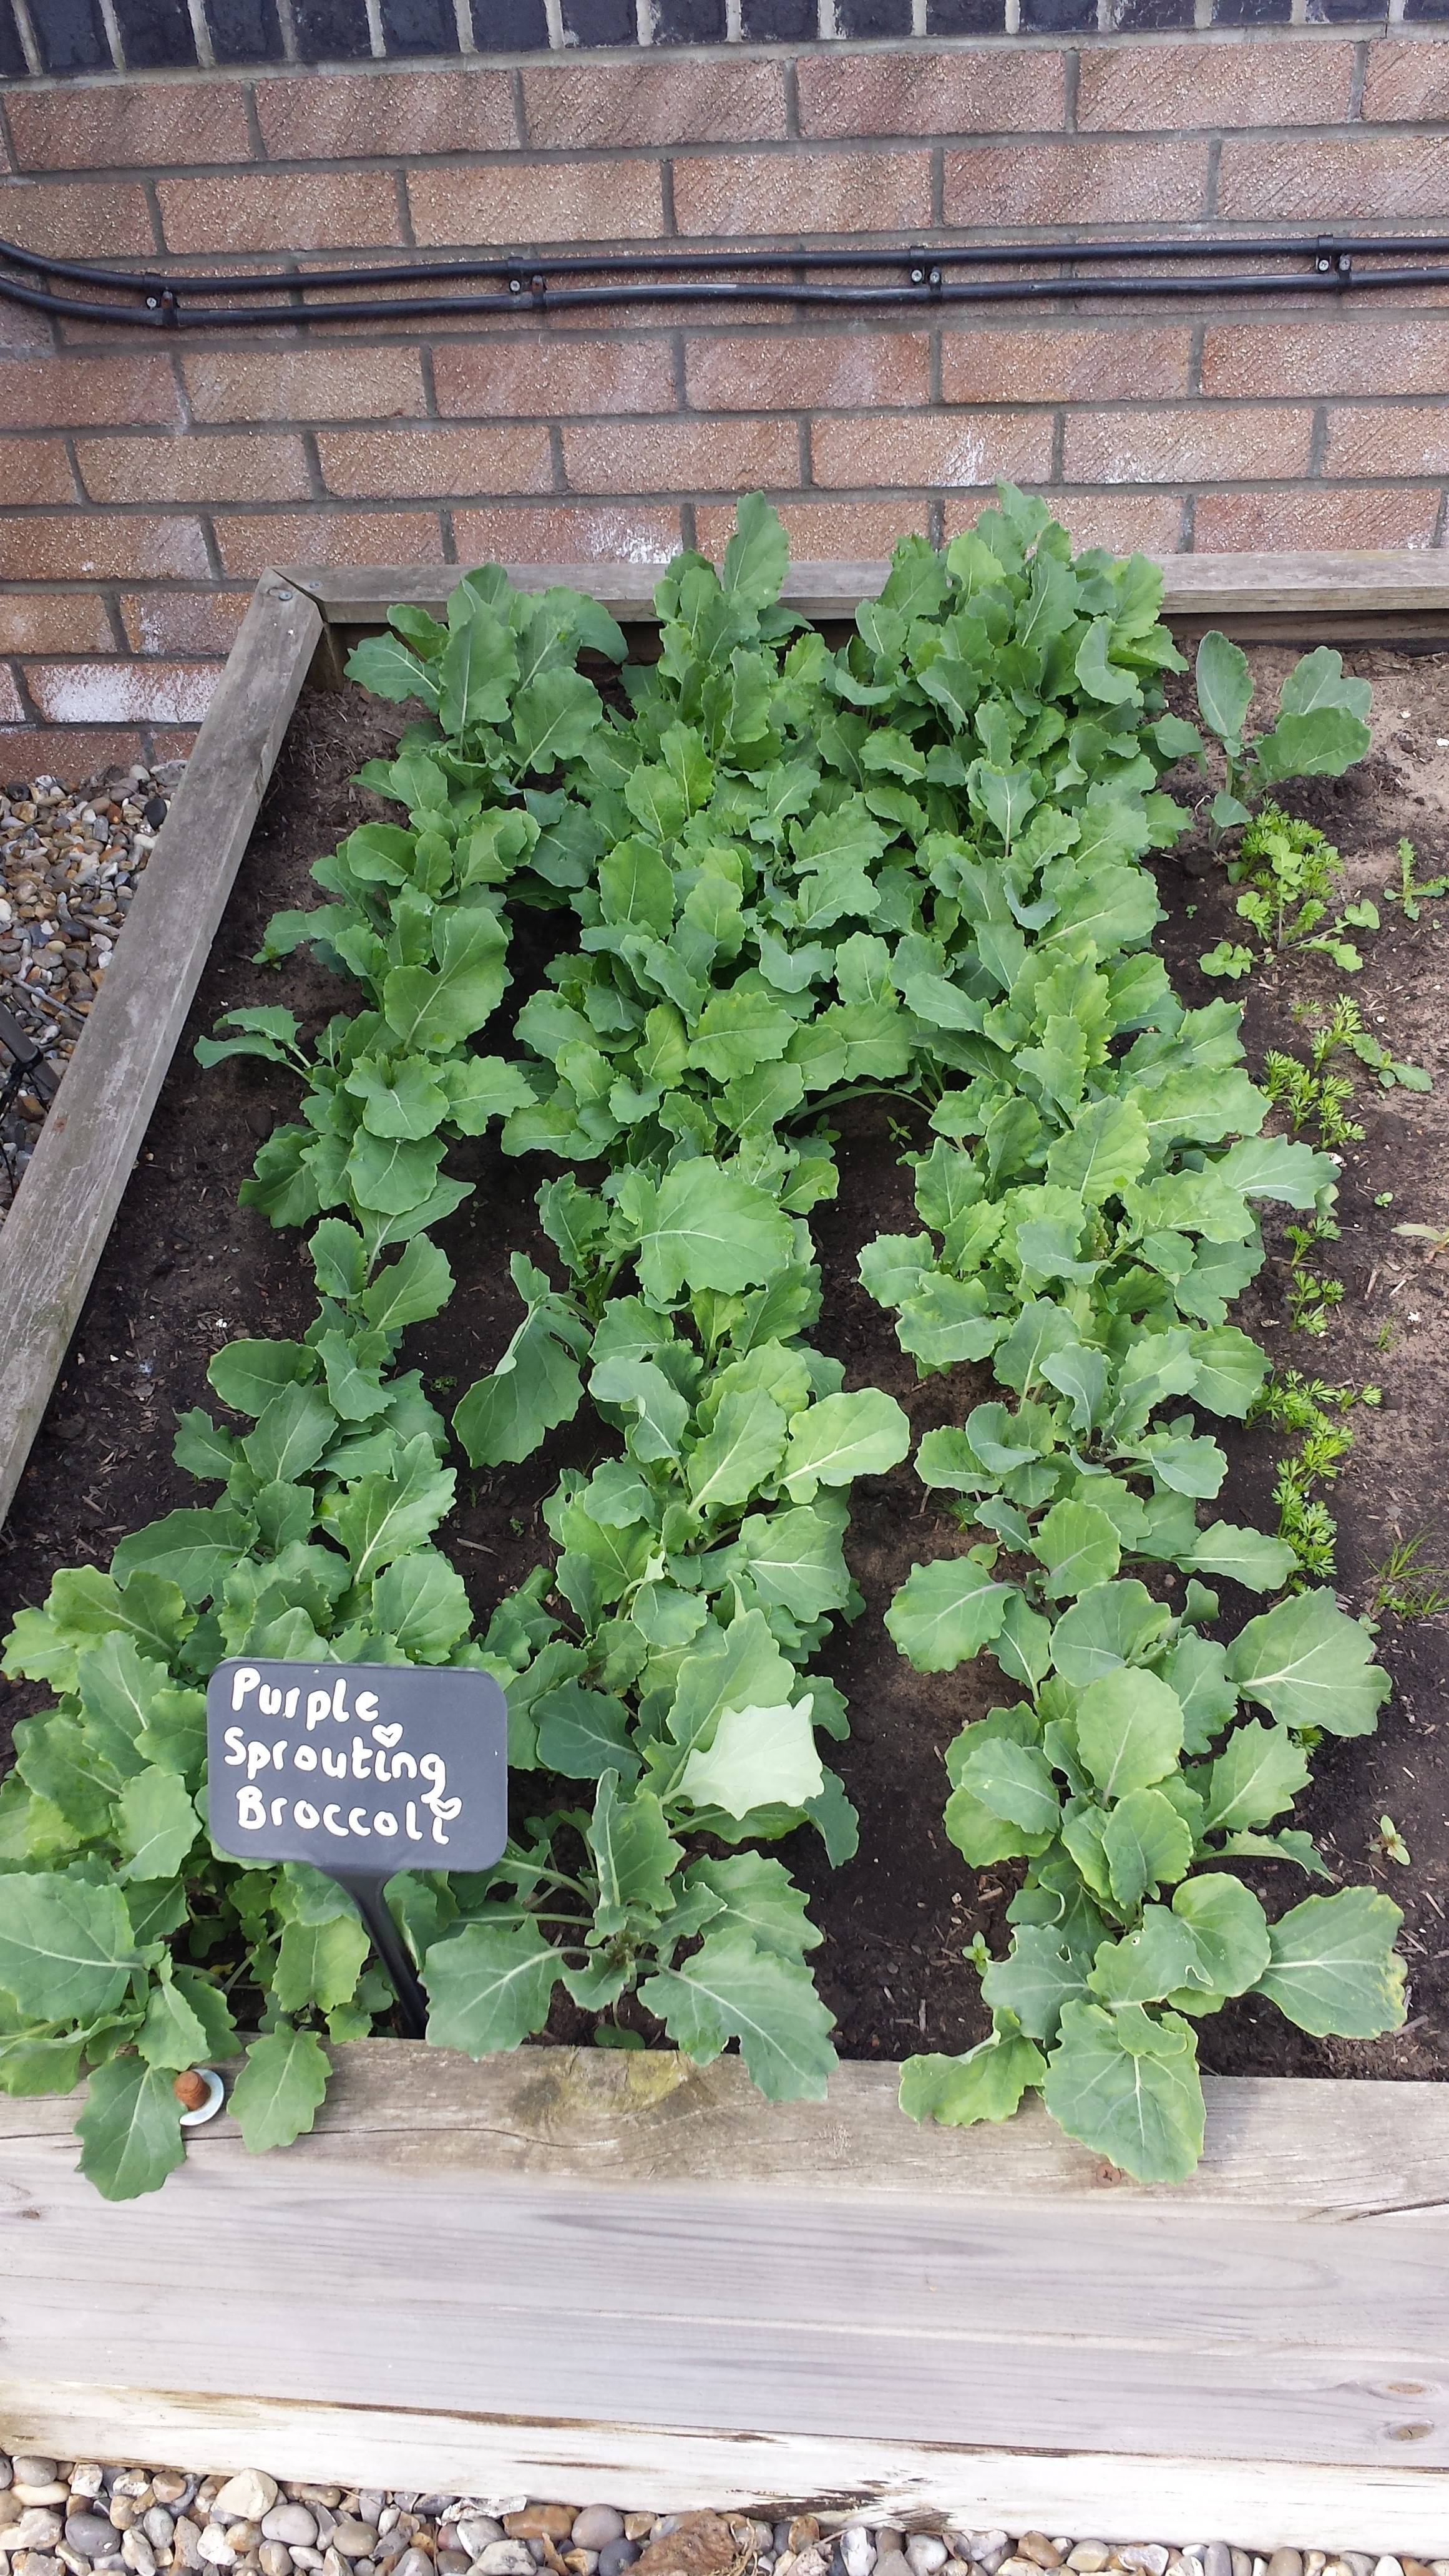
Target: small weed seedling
1407	891
1313	1095
1290	873
1407	1585
1391	1843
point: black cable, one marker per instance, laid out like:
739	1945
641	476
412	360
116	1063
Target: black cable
544	282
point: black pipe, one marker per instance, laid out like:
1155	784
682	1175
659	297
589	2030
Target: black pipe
672	277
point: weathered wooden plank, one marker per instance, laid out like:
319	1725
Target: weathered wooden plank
1370	586
1270	2504
1299	2149
53	1237
730	2267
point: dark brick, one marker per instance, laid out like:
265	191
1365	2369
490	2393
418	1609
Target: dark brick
965	17
779	22
13	65
873	17
156	34
331	30
1057	17
1252	13
509	26
1426	9
1358	12
689	22
601	22
70	35
244	31
419	27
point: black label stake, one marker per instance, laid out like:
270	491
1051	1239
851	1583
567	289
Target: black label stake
360	1770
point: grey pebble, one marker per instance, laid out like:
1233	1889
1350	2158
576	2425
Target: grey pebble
596	2526
895	2563
90	2533
926	2555
137	2552
354	2538
31	2469
616	2555
293	2523
414	2562
158	2525
506	2558
39	2527
857	2550
274	2558
476	2530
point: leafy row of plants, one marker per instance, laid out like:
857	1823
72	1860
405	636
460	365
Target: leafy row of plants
786	877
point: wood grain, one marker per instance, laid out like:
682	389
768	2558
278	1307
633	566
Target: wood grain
616	2242
1269	2504
53	1237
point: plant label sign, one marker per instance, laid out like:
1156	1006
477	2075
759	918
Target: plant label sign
361	1769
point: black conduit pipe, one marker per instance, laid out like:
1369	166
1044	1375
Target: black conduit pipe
545	282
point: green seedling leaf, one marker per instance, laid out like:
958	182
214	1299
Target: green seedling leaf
488	1987
1332	1966
280	2089
1126	2083
842	1437
1309	1664
66	1947
947	1612
986	2084
731	1989
130	2128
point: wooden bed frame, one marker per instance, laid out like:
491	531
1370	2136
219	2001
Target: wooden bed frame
621	2277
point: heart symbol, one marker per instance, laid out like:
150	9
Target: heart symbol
387	1736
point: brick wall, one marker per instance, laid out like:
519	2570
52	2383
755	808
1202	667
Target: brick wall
145	482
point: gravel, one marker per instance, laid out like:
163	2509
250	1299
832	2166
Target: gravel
69	863
80	2518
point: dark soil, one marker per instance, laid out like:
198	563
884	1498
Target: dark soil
186	1269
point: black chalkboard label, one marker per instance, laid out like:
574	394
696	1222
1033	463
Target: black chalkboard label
361	1769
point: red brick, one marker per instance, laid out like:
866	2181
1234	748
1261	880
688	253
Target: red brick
1051	364
121	692
424	463
326	116
586	105
807	371
1186	445
54	621
1353	356
34	469
183	621
545	379
1388	438
23	334
727	194
1015	91
72	756
1077	183
74	392
330	383
933	450
12	705
91	545
537	201
249	542
1138	88
571	532
281	210
76	221
826	531
1363	175
119	125
1319	515
192	468
1148	523
1407	80
682	456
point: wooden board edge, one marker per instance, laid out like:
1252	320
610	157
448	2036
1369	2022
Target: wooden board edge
1120	2496
125	1050
1371	584
581	2123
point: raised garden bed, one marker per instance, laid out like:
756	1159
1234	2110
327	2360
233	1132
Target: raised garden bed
1153	2325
